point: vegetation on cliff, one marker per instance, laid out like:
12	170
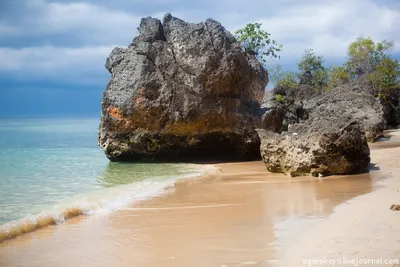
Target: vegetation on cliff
258	42
368	61
318	119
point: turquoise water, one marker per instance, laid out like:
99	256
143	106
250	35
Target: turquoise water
47	164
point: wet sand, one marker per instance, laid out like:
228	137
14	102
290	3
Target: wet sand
239	216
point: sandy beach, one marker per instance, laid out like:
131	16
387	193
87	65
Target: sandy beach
239	215
199	133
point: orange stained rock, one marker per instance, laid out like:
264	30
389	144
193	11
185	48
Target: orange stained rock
115	112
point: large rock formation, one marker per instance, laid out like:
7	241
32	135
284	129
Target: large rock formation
181	91
307	132
349	102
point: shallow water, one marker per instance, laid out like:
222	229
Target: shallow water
241	216
49	167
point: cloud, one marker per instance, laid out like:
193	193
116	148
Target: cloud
53	51
69	41
330	26
77	65
75	23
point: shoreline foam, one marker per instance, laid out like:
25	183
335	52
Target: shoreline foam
101	201
233	218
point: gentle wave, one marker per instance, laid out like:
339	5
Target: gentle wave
102	201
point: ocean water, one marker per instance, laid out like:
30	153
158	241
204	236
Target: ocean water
53	169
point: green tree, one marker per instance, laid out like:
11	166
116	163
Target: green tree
337	76
364	55
312	70
371	61
385	76
281	78
256	41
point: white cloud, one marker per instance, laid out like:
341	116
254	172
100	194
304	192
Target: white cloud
329	26
63	63
89	23
80	35
73	41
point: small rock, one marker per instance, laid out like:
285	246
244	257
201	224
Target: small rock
395	207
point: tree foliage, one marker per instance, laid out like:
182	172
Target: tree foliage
312	70
256	41
310	62
364	55
371	61
368	60
385	76
284	79
338	75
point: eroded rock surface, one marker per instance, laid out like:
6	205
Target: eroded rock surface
182	91
319	133
328	151
349	102
391	107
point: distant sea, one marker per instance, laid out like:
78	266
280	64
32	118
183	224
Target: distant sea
53	169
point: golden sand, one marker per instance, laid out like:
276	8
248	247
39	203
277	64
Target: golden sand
239	216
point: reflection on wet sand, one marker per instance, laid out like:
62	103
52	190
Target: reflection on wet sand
361	229
118	173
391	139
239	216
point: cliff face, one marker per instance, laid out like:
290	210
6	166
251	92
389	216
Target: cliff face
181	91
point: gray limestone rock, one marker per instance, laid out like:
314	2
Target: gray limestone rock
337	150
182	91
320	133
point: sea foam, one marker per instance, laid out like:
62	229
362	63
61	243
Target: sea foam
97	202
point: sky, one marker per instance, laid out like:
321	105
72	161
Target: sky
52	53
